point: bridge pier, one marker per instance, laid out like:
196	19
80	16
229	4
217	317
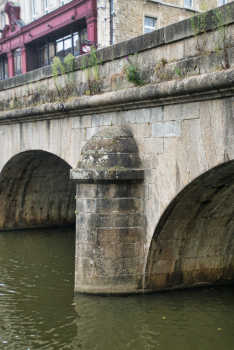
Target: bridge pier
109	215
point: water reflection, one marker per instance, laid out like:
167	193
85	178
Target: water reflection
172	321
36	276
36	293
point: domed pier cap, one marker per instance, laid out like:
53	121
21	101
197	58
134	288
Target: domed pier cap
111	155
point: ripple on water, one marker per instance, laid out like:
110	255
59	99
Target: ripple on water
36	293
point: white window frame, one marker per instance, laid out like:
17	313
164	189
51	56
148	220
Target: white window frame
224	3
3	19
62	2
34	10
46	6
155	21
191	1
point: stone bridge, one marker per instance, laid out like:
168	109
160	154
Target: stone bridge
151	169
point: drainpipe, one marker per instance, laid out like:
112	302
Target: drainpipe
47	49
111	21
105	23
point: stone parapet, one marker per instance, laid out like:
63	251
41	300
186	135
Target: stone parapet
196	88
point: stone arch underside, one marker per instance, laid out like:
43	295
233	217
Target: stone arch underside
193	243
35	191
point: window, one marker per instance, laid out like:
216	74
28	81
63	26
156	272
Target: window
62	2
3	68
188	3
64	46
76	44
6	74
67	45
149	24
60	48
3	20
46	6
41	57
51	52
33	10
222	2
83	36
17	62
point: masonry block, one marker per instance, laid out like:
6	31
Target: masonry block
166	129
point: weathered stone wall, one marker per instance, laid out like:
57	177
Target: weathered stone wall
129	21
167	15
131	14
103	26
109	238
208	4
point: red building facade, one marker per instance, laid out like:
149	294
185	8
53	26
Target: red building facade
27	47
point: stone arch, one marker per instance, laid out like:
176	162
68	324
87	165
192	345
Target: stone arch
193	242
35	190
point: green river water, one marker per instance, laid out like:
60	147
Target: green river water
36	293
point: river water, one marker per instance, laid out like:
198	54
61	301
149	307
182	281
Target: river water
36	293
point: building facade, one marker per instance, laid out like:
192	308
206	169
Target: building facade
25	47
33	32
